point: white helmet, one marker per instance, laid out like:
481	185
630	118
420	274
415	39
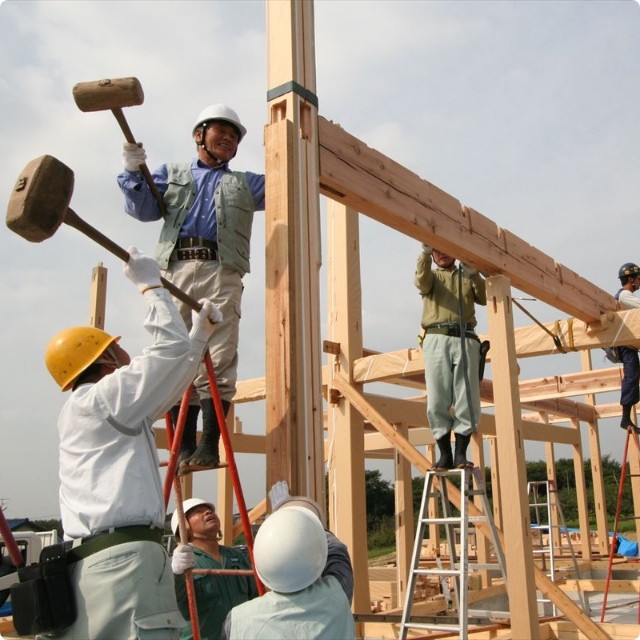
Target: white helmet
302	501
290	550
220	112
187	505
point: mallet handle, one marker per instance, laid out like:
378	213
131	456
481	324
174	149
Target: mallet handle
74	220
128	136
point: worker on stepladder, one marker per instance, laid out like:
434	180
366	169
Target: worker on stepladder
203	249
449	294
629	274
309	573
215	594
111	499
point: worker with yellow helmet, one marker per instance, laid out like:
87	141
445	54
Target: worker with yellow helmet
111	498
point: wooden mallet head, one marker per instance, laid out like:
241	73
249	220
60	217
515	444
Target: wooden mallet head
102	95
40	199
39	204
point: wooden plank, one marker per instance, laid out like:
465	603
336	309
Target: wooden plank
347	491
613	328
599	586
581	494
534	431
294	373
98	297
513	472
405	528
250	390
369	182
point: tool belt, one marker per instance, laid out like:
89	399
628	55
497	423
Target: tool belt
119	535
449	329
194	248
43	601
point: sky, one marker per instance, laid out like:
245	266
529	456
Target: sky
525	111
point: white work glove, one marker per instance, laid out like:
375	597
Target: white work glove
278	493
427	249
133	156
204	322
182	559
142	270
468	269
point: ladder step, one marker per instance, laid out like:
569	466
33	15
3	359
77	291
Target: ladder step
437	572
440	520
433	627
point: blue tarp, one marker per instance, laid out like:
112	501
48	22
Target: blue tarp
628	548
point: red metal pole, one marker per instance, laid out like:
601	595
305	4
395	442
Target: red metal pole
623	474
188	574
174	441
233	469
10	541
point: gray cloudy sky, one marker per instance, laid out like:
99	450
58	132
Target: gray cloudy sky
525	111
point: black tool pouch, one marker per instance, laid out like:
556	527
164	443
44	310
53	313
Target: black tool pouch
485	345
43	601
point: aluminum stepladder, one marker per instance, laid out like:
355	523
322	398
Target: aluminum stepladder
612	547
544	503
173	481
435	488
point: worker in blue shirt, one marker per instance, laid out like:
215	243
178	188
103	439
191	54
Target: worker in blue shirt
204	248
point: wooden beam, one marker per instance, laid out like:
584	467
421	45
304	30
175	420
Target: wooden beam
346	460
513	472
370	182
98	301
293	255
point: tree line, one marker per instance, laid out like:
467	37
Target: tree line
380	498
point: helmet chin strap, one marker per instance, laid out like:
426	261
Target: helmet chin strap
111	359
206	150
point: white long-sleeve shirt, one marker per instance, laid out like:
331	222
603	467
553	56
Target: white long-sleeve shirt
627	300
109	467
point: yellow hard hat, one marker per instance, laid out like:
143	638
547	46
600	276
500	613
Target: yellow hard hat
71	351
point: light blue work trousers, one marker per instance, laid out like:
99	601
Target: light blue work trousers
450	405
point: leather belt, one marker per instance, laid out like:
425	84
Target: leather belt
194	254
119	535
449	329
196	242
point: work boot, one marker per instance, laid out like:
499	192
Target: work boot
188	444
206	455
445	461
626	421
460	458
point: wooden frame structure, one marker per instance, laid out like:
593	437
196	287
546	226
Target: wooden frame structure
317	416
306	154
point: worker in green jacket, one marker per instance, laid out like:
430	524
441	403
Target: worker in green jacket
215	595
451	349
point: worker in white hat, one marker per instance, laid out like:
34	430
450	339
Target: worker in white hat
204	248
309	574
215	594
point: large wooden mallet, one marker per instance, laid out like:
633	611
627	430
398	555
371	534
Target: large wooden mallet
39	204
115	94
